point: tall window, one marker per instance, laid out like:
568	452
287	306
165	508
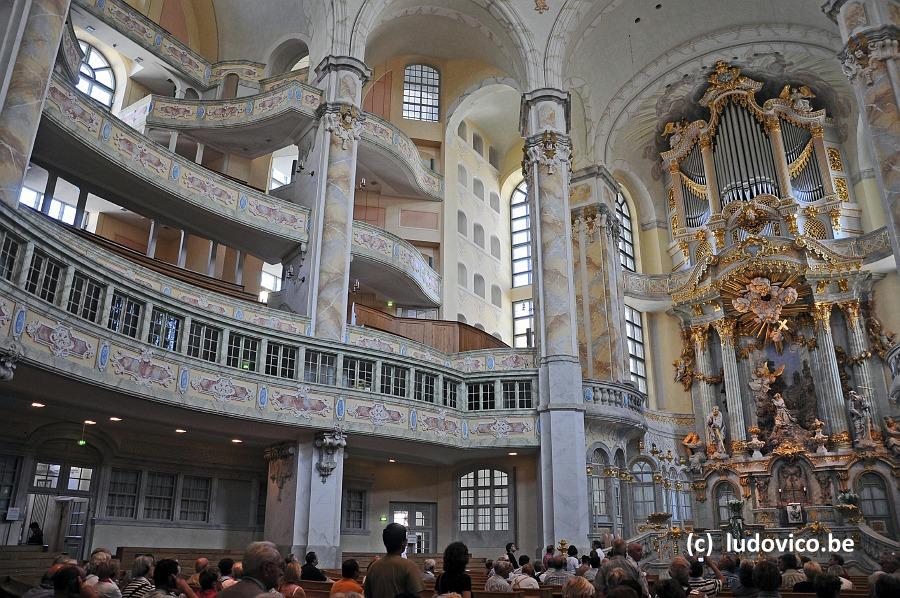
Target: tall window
874	503
203	341
725	494
84	297
165	328
642	490
517	395
354	505
393	380
159	496
96	79
626	234
195	493
634	330
523	323
319	368
424	386
421	93
481	396
281	360
8	255
122	497
358	373
451	388
520	225
242	352
7	481
687	508
484	501
43	276
597	484
124	314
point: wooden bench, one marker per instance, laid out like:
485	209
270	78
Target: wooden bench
26	563
186	557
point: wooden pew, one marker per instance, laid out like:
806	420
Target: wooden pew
26	563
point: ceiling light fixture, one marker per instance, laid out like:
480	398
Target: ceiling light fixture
512	454
90	422
236	440
180	431
115	419
38	405
391	461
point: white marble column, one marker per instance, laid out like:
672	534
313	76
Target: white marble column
705	390
773	128
563	478
859	346
831	401
342	78
737	429
303	503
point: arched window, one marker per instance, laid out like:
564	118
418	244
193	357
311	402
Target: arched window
687	506
494	157
484	501
495	202
462	223
495	246
626	234
642	490
96	78
634	331
520	227
462	275
874	503
478	144
478	235
725	494
496	295
478	188
462	175
461	130
597	483
478	285
421	93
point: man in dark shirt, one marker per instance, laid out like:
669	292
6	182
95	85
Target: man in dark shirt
393	575
310	570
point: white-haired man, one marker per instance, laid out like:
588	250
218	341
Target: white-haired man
263	567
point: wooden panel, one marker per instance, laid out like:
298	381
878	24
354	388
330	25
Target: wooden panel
443	335
378	98
419	219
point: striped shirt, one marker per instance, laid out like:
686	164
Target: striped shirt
138	587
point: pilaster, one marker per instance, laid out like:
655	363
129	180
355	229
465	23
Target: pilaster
831	407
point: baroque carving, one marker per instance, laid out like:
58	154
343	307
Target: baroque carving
551	151
346	125
11	353
865	54
329	443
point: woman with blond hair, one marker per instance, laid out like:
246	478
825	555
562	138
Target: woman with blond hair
578	587
290	582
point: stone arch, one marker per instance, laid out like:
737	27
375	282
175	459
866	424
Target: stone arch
284	53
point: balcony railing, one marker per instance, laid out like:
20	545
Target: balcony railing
612	394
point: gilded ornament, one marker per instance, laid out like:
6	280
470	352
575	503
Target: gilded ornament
851	310
789	449
817	131
720	239
834	159
791	220
671	199
541	6
840	186
835	215
822	314
726	330
699	336
797	166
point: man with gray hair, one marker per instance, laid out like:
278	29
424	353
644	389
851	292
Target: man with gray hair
141	573
497	582
263	566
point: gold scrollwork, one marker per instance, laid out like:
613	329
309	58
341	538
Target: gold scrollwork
840	187
834	159
797	166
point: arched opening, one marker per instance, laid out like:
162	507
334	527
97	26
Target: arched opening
642	490
875	504
725	495
478	286
462	223
478	235
462	275
96	78
289	55
230	86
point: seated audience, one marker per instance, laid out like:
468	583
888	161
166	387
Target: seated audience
572	559
290	581
548	554
745	587
454	579
556	574
841	573
812	570
578	587
226	567
310	570
68	582
428	572
511	550
680	571
668	588
106	572
98	555
696	581
497	581
591	574
349	575
596	548
789	572
584	566
622	592
767	579
140	584
889	564
207	583
200	565
634	554
523	560
167	581
886	586
393	574
524	579
728	567
262	568
827	585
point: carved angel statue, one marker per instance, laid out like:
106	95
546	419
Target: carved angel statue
696	447
783	417
762	378
861	416
715	433
892	435
798	97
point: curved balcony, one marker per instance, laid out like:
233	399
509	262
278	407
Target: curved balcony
83	350
256	125
378	256
78	138
615	403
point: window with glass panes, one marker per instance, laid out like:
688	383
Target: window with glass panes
8	254
874	502
124	314
687	508
46	475
96	78
626	234
520	228
159	496
84	297
79	479
451	389
634	331
725	495
122	497
424	389
195	493
484	501
43	276
281	360
642	490
523	323
165	328
242	352
517	394
421	93
354	505
319	368
393	380
597	482
358	373
203	341
8	466
481	396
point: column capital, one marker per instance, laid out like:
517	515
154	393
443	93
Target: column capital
342	78
821	313
726	330
865	52
851	310
329	443
700	335
545	109
344	121
549	149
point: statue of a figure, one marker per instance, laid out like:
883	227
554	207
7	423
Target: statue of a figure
892	436
861	415
697	450
783	417
793	484
715	434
